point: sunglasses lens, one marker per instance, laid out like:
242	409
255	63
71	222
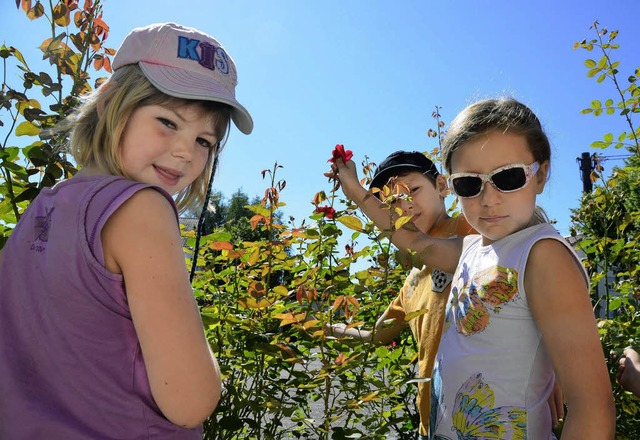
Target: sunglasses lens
467	186
510	179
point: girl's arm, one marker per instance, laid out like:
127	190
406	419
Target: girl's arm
141	240
559	300
439	253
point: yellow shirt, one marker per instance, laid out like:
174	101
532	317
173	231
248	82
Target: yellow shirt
428	289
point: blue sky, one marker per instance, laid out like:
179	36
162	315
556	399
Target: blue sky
369	73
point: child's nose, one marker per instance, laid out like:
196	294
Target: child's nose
183	148
406	206
489	195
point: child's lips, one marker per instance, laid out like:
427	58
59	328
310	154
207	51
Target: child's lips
493	218
168	176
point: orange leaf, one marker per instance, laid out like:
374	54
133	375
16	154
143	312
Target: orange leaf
107	64
221	246
255	220
78	19
337	303
98	62
235	254
288	318
26	5
341	359
101	27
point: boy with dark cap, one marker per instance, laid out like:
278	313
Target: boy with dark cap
425	288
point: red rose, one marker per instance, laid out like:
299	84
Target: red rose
328	211
340	153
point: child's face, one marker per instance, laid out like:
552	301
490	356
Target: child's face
167	146
493	213
427	203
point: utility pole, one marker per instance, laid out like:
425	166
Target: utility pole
586	162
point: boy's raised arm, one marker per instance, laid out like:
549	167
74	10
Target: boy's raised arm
441	254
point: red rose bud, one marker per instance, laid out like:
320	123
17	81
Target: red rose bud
340	153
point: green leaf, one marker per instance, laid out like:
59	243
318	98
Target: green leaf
602	63
220	236
596	104
608	137
26	128
590	64
601	78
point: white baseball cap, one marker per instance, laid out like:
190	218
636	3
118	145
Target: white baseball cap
186	63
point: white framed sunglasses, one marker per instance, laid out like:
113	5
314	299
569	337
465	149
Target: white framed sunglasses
508	178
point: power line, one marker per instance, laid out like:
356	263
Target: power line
587	163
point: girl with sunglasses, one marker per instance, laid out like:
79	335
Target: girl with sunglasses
519	306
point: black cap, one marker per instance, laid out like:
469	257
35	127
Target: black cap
403	161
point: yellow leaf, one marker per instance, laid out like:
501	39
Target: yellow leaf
351	222
264	303
369	396
27	128
36	12
249	302
403	221
281	290
61	15
310	323
254	256
415	314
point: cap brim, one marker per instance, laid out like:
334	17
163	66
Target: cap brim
192	85
383	177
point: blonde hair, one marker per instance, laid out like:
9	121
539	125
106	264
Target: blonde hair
98	124
507	115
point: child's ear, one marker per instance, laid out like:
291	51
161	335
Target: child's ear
441	186
541	176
